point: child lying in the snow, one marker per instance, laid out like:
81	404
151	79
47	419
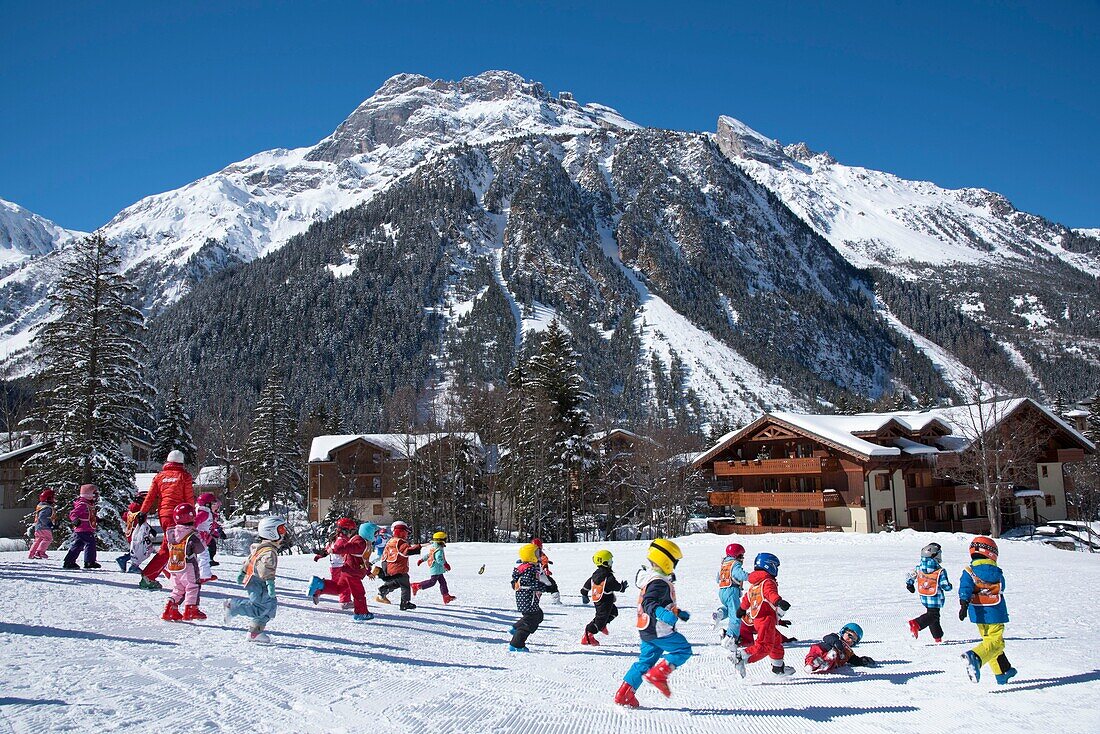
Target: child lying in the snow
835	651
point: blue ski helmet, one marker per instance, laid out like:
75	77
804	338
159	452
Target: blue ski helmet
854	628
767	562
367	531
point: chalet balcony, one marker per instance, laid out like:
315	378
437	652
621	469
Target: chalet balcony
936	495
767	467
777	500
719	527
975	525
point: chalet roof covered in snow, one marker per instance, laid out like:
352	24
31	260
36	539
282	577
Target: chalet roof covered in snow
948	429
395	444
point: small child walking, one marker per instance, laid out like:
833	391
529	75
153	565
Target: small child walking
142	543
528	584
601	587
731	575
835	651
184	552
929	579
83	518
663	649
206	525
45	520
437	567
395	566
764	609
981	595
258	578
350	546
129	522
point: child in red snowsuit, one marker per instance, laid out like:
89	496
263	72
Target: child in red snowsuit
763	609
835	651
347	577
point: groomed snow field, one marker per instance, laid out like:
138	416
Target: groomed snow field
86	650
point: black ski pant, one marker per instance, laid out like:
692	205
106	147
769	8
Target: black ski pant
213	550
931	620
400	581
525	625
605	612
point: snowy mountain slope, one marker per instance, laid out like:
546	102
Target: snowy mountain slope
25	235
93	654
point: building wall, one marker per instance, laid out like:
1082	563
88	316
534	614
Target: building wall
848	519
1053	484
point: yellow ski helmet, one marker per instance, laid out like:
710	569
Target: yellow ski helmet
528	553
439	537
664	555
602	558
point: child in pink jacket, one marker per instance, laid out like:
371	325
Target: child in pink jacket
206	525
83	518
184	552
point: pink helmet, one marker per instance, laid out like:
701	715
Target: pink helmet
46	495
735	550
134	507
184	514
87	491
206	499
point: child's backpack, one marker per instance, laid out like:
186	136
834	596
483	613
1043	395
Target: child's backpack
177	555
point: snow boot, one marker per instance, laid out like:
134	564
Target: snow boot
316	584
512	630
973	665
214	563
362	617
258	636
625	696
149	585
1005	677
556	596
782	671
589	639
92	565
513	648
719	619
382	600
914	628
172	612
121	561
227	611
406	605
71	566
603	631
658	676
347	605
415	587
447	598
192	611
738	658
134	569
208	579
937	640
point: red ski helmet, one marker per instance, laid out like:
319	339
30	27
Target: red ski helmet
984	546
134	507
206	499
735	550
46	495
400	529
537	542
346	523
184	514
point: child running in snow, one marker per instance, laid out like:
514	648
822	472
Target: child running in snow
763	609
835	651
350	545
129	522
206	525
184	552
981	594
544	571
437	566
527	582
45	520
83	518
601	587
258	578
395	566
929	579
663	649
142	543
731	575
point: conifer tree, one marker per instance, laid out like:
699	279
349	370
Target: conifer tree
1092	422
271	464
91	388
174	431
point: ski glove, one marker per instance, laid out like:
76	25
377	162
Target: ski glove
446	566
684	615
584	597
963	606
861	661
782	623
271	588
742	613
666	615
624	586
910	587
240	577
782	607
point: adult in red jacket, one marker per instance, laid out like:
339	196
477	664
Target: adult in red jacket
172	486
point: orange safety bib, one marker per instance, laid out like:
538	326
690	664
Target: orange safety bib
725	574
643	618
597	591
756	601
249	567
177	555
390	553
928	584
985	594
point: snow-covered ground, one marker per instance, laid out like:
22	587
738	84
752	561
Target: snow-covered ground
87	651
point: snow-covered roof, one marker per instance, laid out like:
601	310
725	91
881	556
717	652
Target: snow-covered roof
23	450
1076	413
212	476
395	444
144	480
842	430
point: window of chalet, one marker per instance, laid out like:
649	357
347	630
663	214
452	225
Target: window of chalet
882	481
885	516
377	510
1043	470
914	514
771	484
1048	499
806	484
804	450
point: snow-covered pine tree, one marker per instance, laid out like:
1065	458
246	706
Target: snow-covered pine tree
173	430
1060	406
91	388
558	385
271	462
1092	422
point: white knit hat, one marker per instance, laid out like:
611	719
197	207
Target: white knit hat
175	456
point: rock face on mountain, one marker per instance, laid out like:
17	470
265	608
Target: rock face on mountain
700	275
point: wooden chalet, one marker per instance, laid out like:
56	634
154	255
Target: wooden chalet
789	472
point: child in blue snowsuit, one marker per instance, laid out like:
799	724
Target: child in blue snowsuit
657	618
731	575
929	579
981	596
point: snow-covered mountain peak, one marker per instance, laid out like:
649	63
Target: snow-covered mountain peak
25	235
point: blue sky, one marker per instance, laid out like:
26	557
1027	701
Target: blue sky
101	107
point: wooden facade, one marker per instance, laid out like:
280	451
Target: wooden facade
364	472
786	472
